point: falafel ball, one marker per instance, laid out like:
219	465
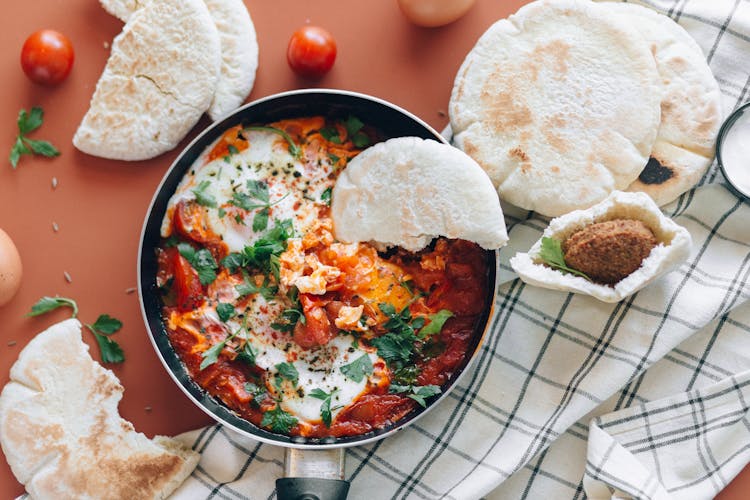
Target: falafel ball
609	251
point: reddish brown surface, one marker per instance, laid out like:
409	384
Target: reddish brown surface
99	205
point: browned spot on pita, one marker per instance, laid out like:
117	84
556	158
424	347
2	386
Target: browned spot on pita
526	168
504	112
555	169
555	140
519	153
656	172
558	51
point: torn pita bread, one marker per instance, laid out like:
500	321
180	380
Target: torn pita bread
406	191
673	247
690	108
158	81
63	436
239	49
559	103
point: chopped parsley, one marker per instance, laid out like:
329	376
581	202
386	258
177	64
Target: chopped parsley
278	420
325	406
551	254
291	315
260	255
287	371
357	369
257	197
325	197
418	393
294	149
202	261
28	122
247	354
211	355
256	392
248	287
202	197
225	311
331	134
436	323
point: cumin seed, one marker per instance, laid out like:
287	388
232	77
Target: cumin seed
55	227
67	277
11	343
130	290
54	183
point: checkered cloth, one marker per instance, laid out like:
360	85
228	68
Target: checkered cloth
570	397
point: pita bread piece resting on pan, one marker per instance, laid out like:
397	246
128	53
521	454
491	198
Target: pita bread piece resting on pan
406	191
159	79
63	436
239	49
559	104
690	107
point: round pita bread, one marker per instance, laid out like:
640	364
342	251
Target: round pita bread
63	436
158	81
673	248
406	191
559	104
690	108
239	49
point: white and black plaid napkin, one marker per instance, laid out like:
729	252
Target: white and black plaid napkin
570	397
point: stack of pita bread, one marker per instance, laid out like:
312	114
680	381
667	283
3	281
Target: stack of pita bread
173	61
63	436
567	101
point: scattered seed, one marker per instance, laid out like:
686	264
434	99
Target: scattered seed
11	343
148	408
55	227
54	182
106	45
441	113
67	277
130	290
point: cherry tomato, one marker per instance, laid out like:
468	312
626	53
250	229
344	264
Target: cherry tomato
47	57
187	284
311	51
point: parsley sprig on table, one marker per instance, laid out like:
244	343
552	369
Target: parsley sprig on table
102	329
28	122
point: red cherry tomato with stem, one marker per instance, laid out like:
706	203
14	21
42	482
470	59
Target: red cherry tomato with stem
311	51
47	57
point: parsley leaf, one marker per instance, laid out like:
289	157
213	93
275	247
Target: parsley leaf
436	323
225	311
288	372
357	369
202	197
396	349
294	149
418	393
248	287
28	122
331	134
551	254
325	197
278	420
247	354
104	326
257	197
47	304
258	393
325	407
261	254
211	355
260	220
353	125
202	261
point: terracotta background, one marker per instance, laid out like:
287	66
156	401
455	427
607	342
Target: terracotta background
99	205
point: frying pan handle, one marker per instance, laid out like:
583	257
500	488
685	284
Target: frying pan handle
313	475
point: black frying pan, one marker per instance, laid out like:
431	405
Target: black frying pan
315	465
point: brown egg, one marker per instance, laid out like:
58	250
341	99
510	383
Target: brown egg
432	13
10	268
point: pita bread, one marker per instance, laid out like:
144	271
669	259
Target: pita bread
406	191
559	104
61	432
158	81
673	248
690	108
239	49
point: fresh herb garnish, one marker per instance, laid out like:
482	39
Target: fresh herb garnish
396	349
256	198
436	323
259	255
325	197
331	134
357	369
28	122
354	132
211	355
104	326
256	392
202	261
202	197
247	354
248	287
294	149
47	304
225	311
551	254
418	393
287	371
278	420
325	407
